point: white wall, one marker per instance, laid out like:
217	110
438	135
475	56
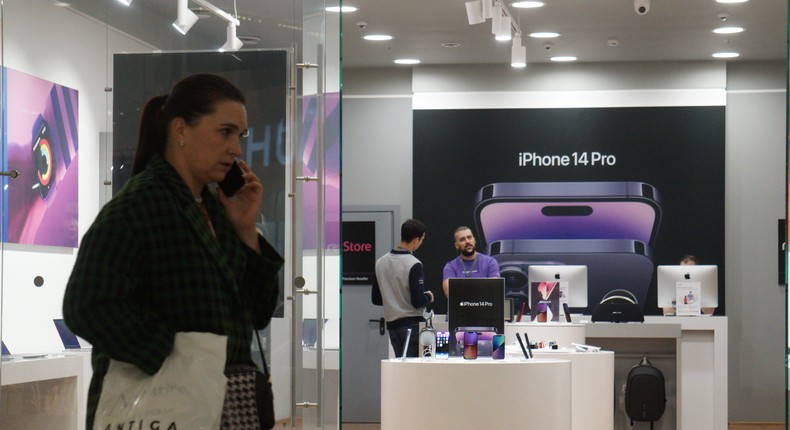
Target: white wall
54	44
377	125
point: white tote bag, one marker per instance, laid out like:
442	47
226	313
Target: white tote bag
186	393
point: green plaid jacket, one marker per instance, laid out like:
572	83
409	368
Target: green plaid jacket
149	267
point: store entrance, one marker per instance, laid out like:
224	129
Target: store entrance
364	342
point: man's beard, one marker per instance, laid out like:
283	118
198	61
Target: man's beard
468	252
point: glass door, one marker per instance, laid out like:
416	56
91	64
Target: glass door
81	48
316	236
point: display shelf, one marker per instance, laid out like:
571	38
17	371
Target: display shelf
43	393
692	352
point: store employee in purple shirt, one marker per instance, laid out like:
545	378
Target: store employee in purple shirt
469	263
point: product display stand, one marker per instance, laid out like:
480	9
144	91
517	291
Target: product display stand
592	390
43	393
484	393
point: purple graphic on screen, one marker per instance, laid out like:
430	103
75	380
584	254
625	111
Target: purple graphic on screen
331	172
41	122
602	220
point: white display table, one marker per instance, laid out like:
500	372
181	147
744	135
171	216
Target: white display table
592	390
695	351
57	399
475	394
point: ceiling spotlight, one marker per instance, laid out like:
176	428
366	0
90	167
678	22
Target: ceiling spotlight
186	18
544	35
728	30
232	43
125	2
528	4
488	9
407	61
496	19
563	59
343	9
474	12
731	1
504	30
376	37
518	53
726	55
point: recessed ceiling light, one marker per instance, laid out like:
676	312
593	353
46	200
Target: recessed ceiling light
731	1
62	4
728	30
125	2
407	61
344	9
563	58
528	4
377	37
451	45
544	35
726	55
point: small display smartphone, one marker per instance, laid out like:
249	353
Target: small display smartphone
233	180
443	345
470	345
498	352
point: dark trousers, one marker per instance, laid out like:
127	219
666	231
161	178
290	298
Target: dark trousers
398	340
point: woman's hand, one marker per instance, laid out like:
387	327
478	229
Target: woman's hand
244	207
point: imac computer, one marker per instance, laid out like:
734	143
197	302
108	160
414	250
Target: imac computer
706	275
571	279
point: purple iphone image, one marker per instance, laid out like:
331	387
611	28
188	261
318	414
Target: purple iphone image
498	347
470	345
568	210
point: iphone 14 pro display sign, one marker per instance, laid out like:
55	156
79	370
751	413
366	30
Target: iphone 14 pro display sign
611	227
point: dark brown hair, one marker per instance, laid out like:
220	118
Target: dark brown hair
191	98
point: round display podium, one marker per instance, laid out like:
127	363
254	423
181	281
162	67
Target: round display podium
470	394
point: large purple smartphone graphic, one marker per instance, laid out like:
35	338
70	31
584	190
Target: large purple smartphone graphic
610	227
568	210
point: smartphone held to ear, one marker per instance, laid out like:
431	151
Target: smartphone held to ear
233	180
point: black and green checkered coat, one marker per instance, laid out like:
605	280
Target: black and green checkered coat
149	267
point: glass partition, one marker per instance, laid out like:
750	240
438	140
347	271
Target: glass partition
76	72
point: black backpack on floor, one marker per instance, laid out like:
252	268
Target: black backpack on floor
645	398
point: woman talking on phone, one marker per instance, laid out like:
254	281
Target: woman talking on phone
169	255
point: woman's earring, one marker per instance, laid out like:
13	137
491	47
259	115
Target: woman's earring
181	143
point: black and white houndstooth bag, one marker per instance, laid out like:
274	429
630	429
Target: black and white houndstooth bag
249	401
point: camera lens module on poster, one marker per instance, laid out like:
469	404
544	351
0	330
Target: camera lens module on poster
43	159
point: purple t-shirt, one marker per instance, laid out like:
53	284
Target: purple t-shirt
484	266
